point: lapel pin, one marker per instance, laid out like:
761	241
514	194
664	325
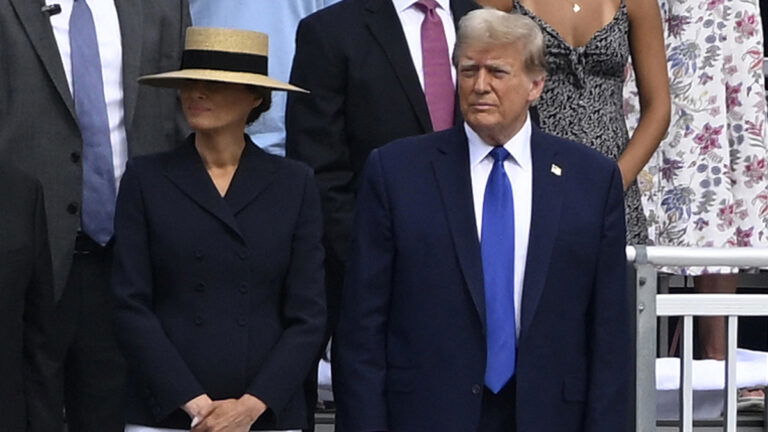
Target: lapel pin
556	170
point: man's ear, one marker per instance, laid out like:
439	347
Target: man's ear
537	86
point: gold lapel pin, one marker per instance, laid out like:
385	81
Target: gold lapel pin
556	170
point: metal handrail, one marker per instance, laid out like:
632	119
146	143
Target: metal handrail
650	304
683	256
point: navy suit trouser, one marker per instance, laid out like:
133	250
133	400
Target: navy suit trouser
498	410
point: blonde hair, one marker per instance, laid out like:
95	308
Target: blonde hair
494	27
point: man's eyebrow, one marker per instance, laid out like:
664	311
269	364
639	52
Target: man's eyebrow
497	65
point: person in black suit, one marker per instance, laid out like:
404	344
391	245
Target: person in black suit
218	257
46	131
362	61
26	306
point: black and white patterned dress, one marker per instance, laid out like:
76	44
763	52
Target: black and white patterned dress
583	101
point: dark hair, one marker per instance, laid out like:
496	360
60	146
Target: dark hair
266	102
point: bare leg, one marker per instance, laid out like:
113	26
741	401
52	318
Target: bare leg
712	329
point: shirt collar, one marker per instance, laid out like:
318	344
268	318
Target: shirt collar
519	146
401	5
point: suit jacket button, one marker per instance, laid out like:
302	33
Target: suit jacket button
477	389
243	255
241	321
74	156
72	208
244	288
200	287
198	320
198	254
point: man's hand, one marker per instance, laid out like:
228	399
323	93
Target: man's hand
198	408
232	415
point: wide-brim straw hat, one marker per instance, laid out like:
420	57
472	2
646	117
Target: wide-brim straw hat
222	55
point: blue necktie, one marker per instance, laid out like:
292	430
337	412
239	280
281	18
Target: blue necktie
498	252
88	90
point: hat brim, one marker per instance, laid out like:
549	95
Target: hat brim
176	79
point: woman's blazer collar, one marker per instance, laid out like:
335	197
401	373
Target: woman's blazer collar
256	171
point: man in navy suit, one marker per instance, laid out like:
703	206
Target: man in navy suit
486	289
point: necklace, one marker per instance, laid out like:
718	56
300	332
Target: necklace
575	6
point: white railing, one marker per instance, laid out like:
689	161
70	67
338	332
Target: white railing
650	305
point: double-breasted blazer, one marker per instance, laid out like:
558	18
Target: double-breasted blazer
410	349
218	295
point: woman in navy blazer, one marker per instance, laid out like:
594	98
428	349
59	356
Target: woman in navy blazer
218	273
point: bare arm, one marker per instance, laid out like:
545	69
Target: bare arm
646	40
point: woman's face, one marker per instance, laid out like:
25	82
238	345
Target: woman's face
210	106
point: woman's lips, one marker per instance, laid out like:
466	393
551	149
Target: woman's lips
196	108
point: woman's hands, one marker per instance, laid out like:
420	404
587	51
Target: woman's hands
198	408
228	415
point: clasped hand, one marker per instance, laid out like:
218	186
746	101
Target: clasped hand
228	415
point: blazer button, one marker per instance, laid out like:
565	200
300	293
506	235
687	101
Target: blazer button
72	208
199	254
74	156
243	255
198	320
200	287
477	389
241	321
244	288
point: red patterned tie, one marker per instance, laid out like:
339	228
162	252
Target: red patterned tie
438	82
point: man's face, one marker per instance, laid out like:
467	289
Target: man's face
495	90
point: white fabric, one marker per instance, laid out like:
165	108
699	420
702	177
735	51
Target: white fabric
111	55
751	371
411	18
139	428
708	383
519	168
324	381
707	404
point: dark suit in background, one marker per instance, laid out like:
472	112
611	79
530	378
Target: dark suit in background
39	133
410	349
365	92
26	307
218	295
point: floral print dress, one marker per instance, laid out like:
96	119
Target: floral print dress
707	184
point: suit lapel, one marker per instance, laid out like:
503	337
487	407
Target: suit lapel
40	33
385	26
186	170
451	167
545	217
255	172
129	12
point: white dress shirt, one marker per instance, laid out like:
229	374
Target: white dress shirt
519	169
111	55
411	18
